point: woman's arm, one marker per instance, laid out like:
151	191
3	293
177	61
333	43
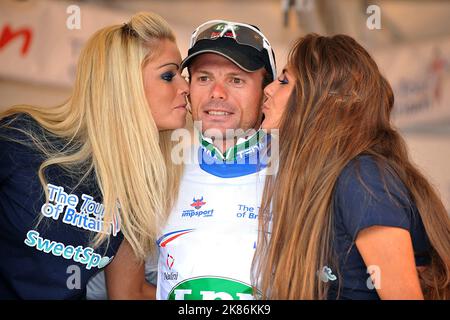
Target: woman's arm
125	276
390	249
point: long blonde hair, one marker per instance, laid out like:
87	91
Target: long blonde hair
340	108
110	132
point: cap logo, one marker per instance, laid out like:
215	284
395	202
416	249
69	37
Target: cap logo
219	27
222	26
244	35
216	34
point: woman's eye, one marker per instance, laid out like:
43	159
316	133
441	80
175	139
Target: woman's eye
283	80
203	78
167	76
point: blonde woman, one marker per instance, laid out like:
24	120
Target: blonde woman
349	215
78	178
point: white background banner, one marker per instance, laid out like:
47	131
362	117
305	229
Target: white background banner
419	74
37	44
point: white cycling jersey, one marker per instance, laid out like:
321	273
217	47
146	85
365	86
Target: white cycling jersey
208	243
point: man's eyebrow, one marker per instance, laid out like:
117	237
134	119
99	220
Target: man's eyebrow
168	64
237	73
201	71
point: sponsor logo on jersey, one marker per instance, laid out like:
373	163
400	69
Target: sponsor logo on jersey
197	204
170	260
211	288
82	212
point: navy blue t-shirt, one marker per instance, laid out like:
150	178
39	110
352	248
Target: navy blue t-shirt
52	258
361	201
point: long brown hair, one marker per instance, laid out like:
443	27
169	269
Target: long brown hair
340	108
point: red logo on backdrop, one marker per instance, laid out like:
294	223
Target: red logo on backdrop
7	35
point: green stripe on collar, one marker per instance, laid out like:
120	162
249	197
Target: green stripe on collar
231	153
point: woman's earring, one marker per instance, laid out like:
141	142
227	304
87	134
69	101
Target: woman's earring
188	104
188	107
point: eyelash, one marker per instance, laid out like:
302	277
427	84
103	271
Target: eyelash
167	76
283	81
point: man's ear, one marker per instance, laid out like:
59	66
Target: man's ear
267	78
189	74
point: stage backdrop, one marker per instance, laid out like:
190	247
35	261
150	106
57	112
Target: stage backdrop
39	41
40	44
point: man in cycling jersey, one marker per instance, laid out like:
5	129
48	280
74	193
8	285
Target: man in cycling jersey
207	245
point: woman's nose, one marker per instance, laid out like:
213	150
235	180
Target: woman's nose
184	88
268	90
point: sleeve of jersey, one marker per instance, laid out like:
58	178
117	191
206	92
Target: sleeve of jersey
365	199
8	161
14	146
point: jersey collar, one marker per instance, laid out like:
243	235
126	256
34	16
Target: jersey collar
241	147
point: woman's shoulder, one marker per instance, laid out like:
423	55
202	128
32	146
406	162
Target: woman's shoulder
367	171
17	127
16	119
24	129
18	136
364	163
368	193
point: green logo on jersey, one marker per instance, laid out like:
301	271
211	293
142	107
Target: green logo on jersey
211	288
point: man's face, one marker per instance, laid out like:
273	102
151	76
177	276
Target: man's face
223	96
